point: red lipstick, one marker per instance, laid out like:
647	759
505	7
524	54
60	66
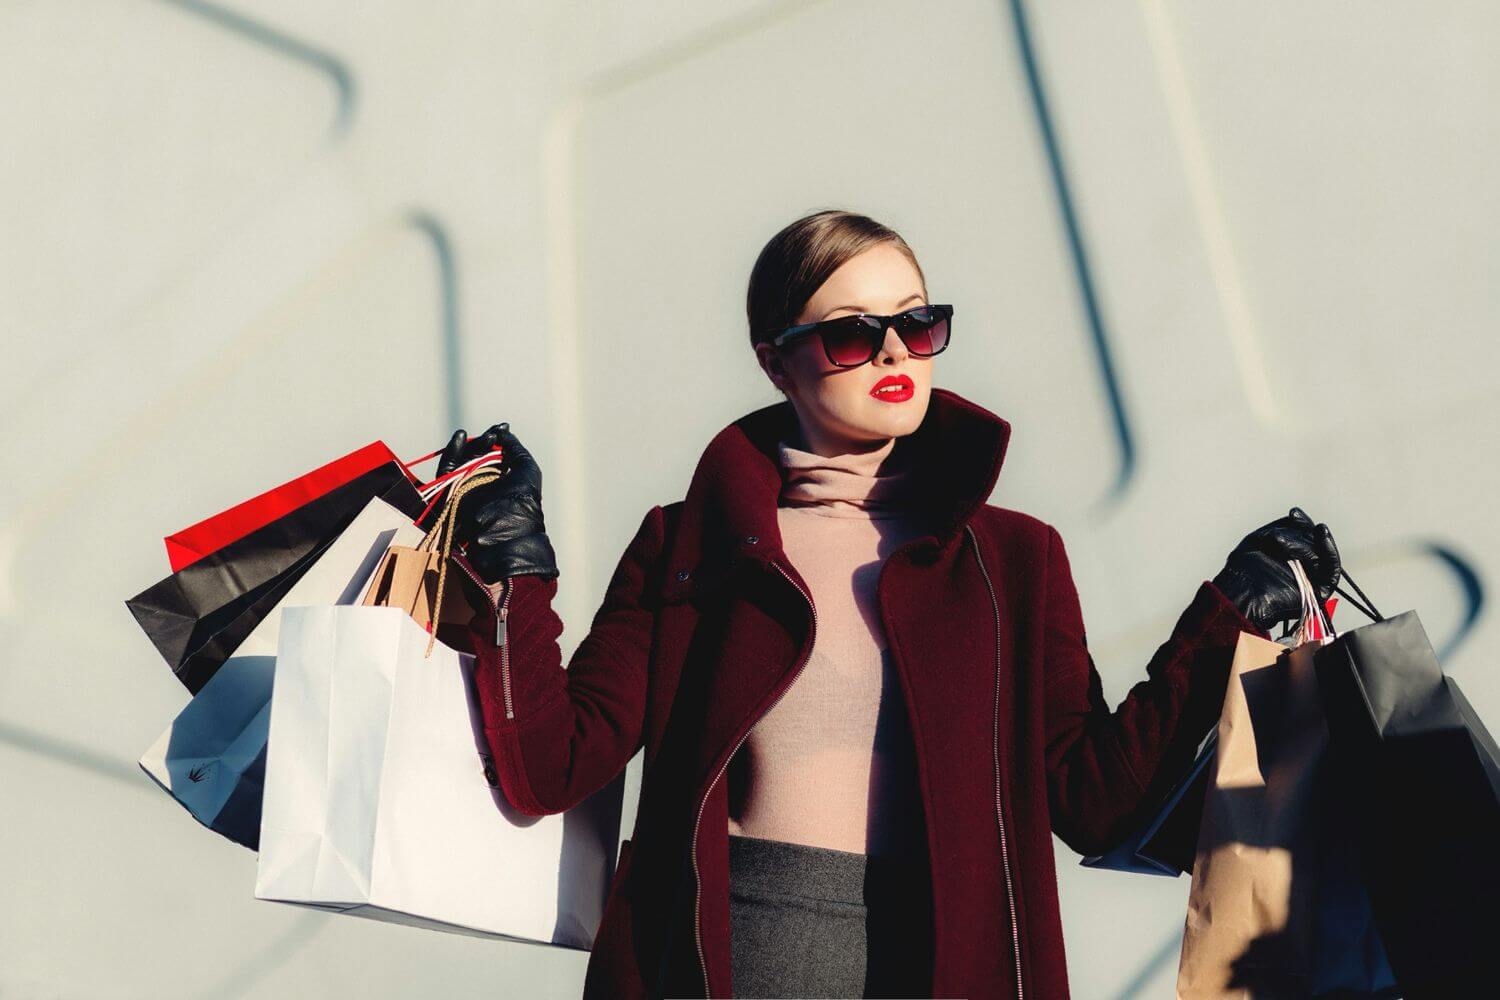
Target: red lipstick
902	389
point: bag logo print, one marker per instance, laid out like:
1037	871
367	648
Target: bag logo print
200	772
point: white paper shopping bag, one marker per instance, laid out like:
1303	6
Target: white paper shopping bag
378	802
211	759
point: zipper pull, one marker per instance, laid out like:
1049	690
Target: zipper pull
500	615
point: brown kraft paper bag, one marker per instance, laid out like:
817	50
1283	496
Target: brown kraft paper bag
417	579
1251	912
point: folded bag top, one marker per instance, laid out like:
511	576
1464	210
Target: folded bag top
211	534
198	615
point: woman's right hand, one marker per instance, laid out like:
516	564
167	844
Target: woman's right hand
500	522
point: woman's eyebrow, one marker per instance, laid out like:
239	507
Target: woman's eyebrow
914	295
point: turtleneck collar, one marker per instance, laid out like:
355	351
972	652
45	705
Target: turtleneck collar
730	512
867	484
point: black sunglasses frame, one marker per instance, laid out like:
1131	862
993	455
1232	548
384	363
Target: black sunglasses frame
905	322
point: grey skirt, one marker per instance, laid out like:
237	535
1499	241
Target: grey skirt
815	922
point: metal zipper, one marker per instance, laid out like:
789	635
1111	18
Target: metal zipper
1015	939
502	611
502	639
697	880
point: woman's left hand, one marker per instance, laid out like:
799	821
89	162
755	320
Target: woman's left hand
1258	580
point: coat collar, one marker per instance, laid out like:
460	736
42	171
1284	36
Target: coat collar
729	513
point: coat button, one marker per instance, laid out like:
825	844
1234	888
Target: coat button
751	539
682	574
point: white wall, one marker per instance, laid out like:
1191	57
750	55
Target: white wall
239	238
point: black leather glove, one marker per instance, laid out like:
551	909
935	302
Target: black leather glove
499	523
1258	580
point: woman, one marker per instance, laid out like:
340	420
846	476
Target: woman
864	693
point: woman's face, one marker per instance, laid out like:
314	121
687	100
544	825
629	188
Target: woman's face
836	407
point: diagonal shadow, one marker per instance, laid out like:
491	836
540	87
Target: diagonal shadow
73	754
432	227
287	45
1079	254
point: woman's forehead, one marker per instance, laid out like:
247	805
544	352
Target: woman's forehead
879	276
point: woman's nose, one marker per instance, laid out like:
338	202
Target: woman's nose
894	346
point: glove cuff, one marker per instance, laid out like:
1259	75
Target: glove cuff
1244	595
529	555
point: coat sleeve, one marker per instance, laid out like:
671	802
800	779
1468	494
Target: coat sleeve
559	735
1104	769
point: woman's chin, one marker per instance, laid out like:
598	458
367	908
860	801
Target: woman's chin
898	417
893	419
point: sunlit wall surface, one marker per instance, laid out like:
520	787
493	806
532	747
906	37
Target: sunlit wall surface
1210	259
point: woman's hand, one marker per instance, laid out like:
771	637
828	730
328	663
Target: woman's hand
1258	580
500	522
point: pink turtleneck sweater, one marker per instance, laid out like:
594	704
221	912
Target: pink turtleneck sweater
831	764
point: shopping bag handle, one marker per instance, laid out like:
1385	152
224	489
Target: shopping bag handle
440	537
1370	612
492	457
1313	623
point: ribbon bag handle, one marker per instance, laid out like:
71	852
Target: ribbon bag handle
1314	624
1305	587
432	488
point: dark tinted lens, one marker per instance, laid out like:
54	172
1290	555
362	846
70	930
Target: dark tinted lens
924	331
847	340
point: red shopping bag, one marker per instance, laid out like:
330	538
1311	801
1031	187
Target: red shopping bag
211	534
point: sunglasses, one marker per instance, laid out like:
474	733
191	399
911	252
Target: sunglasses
850	341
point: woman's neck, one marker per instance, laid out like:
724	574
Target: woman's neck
870	454
872	482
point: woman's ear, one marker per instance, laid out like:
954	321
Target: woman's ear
772	363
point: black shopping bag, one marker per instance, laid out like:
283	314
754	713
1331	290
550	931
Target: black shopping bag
1164	842
1421	780
198	615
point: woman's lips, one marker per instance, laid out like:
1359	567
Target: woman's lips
901	393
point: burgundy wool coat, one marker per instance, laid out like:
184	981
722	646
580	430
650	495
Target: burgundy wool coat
704	624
